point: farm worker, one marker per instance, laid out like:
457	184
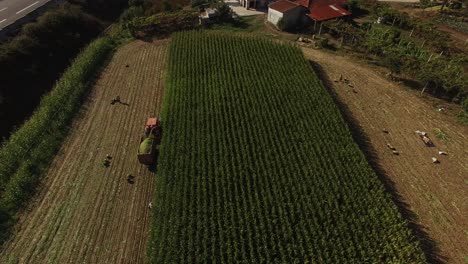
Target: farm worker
115	100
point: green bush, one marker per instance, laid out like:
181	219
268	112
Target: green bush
223	13
323	43
26	155
281	24
465	105
352	5
31	62
164	24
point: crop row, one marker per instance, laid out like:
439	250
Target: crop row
257	165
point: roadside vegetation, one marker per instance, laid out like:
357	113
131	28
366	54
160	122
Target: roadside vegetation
34	59
257	165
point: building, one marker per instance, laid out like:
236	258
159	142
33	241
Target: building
297	13
291	14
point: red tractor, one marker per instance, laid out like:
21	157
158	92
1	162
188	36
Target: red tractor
148	143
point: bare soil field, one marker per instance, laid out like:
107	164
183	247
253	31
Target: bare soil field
85	212
432	196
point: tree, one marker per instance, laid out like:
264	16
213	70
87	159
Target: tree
224	12
281	24
424	3
464	104
393	60
353	6
444	3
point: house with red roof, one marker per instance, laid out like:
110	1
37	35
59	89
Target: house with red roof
285	14
296	13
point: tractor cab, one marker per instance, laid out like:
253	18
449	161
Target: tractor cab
152	124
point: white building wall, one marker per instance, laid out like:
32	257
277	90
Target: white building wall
274	16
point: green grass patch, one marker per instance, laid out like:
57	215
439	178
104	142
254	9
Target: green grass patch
440	134
257	164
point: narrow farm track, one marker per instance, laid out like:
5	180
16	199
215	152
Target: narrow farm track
86	213
435	193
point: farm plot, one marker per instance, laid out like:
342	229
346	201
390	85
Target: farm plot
85	212
258	166
435	193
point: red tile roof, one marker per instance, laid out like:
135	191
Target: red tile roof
317	3
304	3
324	12
283	5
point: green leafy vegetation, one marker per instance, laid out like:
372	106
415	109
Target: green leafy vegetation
25	157
440	134
163	24
463	115
258	166
420	56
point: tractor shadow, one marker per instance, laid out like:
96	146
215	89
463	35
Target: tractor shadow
428	245
153	168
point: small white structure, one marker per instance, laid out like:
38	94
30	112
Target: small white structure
290	13
206	16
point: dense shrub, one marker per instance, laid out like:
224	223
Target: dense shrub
105	9
465	105
34	60
164	24
224	13
152	7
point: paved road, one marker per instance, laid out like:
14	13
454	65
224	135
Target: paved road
12	10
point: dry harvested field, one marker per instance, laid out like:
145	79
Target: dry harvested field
86	213
437	194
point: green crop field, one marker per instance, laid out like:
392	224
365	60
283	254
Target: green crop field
257	164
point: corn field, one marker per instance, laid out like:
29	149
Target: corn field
257	164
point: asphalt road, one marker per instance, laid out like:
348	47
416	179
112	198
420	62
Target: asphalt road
12	10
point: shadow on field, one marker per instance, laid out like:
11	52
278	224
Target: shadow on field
428	245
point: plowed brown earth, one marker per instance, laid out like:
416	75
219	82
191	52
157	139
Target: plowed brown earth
86	213
437	194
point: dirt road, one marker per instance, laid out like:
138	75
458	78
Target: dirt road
85	212
437	194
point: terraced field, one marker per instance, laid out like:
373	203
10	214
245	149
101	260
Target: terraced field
85	212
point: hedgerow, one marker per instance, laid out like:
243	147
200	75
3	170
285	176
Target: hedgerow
257	165
25	157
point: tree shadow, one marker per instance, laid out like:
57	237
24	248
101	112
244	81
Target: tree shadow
428	245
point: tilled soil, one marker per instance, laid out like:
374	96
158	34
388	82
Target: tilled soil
434	197
85	212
